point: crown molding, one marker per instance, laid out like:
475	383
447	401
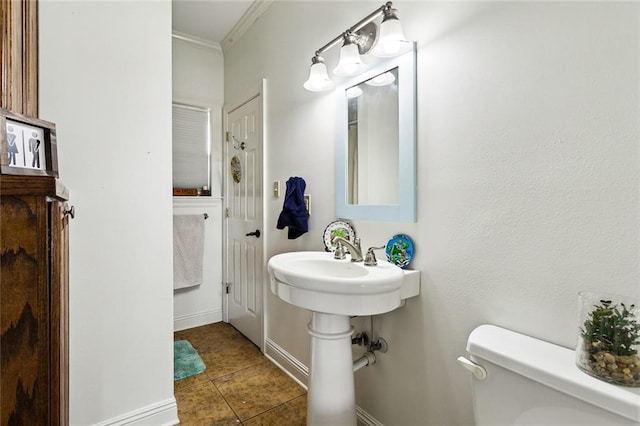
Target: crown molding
196	40
257	8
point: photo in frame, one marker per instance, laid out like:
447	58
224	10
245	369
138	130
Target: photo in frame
27	145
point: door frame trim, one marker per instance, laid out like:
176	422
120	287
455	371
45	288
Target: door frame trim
259	91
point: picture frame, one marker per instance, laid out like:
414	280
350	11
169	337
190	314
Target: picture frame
28	145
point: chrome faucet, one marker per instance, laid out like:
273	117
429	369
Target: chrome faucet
354	248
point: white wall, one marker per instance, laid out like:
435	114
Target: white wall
105	80
198	80
528	176
202	304
197	76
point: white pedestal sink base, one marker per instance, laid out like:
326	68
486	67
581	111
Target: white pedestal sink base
331	398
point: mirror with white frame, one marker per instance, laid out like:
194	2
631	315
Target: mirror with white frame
376	143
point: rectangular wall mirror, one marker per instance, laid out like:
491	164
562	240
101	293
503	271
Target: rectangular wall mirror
376	143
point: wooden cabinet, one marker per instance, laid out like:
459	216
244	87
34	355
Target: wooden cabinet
19	56
34	379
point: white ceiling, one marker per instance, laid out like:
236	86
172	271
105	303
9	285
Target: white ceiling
209	20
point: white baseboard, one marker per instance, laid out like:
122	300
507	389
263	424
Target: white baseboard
163	413
365	418
300	373
184	322
287	362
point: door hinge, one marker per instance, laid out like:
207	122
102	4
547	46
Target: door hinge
227	136
227	286
227	212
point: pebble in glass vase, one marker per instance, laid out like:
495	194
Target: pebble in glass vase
609	338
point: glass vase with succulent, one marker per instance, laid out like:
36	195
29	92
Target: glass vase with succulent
609	339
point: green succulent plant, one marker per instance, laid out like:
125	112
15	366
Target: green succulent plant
611	328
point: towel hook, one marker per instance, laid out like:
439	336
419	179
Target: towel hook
238	143
206	216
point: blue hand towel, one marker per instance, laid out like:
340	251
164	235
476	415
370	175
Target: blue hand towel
294	213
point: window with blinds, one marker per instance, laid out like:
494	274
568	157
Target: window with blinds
191	149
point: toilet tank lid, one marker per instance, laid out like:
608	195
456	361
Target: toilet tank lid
550	365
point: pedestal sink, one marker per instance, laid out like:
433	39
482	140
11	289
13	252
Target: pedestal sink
334	290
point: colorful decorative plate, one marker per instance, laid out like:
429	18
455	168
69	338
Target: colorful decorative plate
400	250
236	169
337	228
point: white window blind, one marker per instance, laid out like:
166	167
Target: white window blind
191	146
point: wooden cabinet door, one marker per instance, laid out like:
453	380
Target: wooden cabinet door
34	328
34	283
24	310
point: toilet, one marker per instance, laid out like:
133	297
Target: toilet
520	380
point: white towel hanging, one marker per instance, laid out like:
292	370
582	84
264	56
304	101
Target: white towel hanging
188	250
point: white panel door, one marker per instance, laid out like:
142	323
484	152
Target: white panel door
243	198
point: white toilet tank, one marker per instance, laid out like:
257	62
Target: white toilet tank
532	382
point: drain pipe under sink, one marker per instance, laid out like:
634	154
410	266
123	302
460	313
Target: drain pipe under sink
368	358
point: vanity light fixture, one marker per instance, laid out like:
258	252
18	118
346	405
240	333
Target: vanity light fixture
359	40
350	61
319	80
392	41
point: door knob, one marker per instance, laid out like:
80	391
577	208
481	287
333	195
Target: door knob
69	211
255	233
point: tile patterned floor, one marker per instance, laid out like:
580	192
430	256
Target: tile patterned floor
239	386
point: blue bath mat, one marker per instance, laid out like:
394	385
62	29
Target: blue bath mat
186	361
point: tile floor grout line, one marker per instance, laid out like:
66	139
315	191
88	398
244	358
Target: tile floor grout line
273	408
233	372
227	402
258	414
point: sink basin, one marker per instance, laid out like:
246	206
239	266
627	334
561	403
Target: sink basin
316	281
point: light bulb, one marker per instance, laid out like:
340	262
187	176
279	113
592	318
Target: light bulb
350	61
318	80
383	79
392	41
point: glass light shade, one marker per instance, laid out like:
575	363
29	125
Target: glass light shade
353	92
383	79
319	80
350	61
391	41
